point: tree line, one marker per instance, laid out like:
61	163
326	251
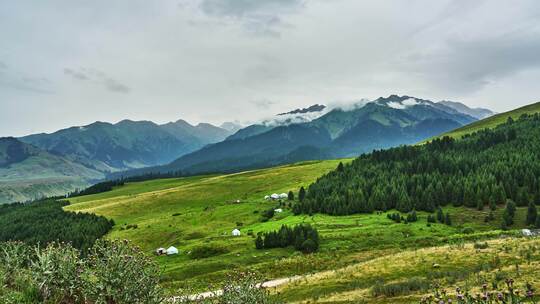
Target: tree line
43	222
485	168
303	237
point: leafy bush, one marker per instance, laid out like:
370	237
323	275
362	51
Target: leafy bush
112	273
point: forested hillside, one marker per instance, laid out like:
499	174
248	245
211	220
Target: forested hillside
45	221
484	168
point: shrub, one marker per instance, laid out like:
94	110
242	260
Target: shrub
400	288
57	272
481	245
206	251
122	274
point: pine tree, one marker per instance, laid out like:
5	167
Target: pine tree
537	225
259	243
301	194
291	196
340	167
448	220
531	214
440	215
508	219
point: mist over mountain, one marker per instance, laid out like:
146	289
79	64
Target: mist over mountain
479	113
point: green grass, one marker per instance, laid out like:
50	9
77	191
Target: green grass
202	211
493	121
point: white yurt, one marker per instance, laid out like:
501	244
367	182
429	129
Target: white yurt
278	210
283	195
161	251
267	197
274	196
236	232
172	250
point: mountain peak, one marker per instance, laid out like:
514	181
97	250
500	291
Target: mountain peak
311	109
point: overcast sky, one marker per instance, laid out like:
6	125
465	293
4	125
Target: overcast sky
65	63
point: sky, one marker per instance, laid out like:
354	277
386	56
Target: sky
70	63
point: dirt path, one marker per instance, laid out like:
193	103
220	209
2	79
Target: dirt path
217	293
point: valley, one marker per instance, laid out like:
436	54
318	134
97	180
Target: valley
202	211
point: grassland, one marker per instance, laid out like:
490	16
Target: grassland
202	211
406	276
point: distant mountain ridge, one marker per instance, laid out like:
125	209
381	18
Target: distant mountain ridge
53	164
382	123
27	172
479	113
127	144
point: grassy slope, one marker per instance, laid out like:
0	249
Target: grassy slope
460	265
493	121
205	213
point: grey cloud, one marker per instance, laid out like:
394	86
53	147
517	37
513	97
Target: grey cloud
115	86
244	8
3	66
257	17
75	74
263	103
99	77
466	66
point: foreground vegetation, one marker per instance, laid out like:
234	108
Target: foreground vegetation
421	275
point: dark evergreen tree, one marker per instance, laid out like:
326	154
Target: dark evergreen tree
531	214
259	243
290	196
301	194
448	220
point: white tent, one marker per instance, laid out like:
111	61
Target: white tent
278	210
172	250
236	232
274	196
526	232
161	251
283	195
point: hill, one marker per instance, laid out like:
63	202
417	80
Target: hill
484	168
493	121
383	123
27	172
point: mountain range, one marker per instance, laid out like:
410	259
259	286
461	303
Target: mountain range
321	134
54	164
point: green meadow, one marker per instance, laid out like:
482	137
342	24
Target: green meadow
201	212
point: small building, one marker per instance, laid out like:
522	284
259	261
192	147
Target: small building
161	251
236	232
274	196
283	195
172	250
278	210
